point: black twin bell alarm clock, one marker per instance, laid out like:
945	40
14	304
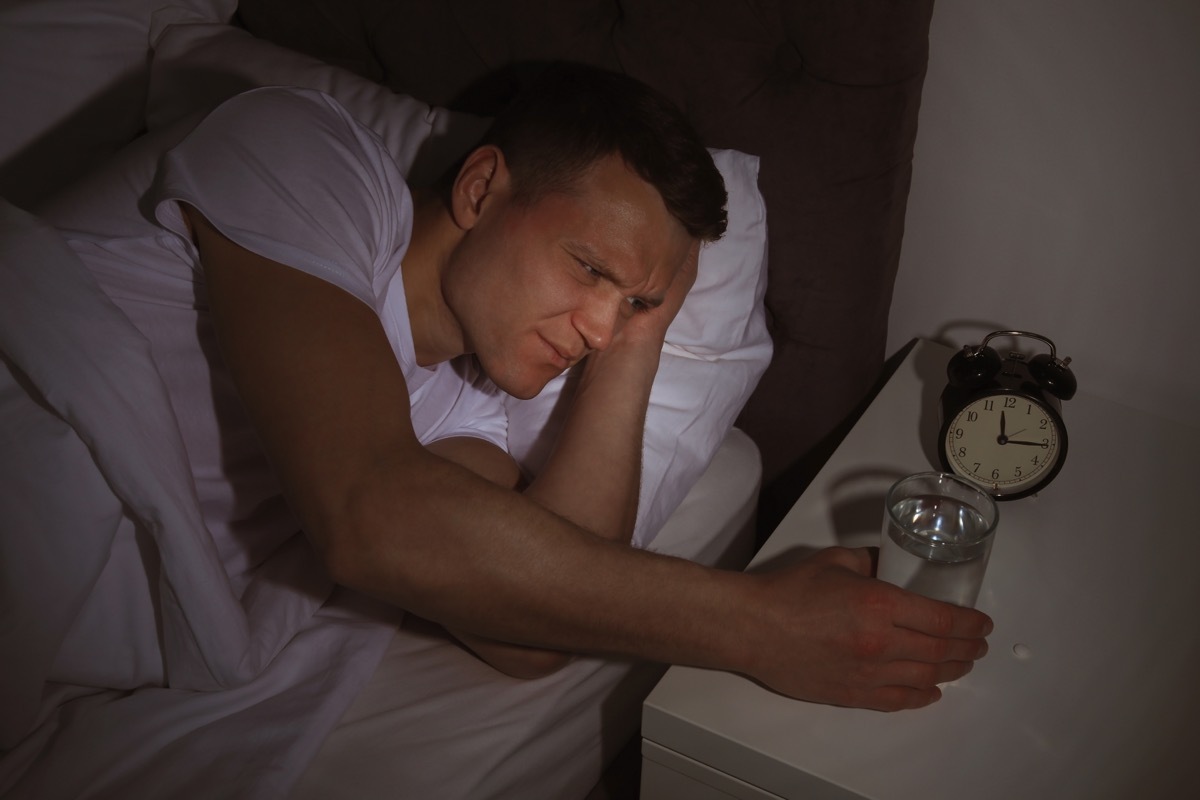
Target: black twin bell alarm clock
1002	425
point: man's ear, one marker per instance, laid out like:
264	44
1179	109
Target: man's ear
482	175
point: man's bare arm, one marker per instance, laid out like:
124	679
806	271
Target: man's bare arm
488	461
321	385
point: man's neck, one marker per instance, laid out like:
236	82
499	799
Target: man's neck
436	333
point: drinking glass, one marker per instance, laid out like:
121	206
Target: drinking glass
937	537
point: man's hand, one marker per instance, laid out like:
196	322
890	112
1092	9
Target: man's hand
847	639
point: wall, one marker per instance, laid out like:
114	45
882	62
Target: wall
1056	189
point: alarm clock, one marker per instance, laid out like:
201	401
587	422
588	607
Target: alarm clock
1001	418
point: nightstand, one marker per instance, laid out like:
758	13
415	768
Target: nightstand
1090	689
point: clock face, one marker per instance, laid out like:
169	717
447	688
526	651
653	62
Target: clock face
1009	444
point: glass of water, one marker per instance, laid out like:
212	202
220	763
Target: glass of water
937	536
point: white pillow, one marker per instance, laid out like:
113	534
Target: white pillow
74	87
718	346
196	66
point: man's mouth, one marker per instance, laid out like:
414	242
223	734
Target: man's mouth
559	358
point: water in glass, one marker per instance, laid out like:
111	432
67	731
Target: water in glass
937	551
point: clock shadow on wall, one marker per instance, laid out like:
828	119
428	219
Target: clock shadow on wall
857	497
856	504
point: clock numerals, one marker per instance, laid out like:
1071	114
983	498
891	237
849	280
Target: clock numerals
998	446
1001	425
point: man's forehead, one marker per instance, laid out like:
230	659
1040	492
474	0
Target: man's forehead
621	225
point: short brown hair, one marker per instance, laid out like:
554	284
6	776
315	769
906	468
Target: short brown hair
571	115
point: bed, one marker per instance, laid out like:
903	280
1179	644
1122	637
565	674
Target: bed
425	719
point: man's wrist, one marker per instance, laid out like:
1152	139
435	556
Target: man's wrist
735	636
630	358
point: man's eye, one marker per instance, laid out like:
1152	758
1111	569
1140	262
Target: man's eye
588	268
639	305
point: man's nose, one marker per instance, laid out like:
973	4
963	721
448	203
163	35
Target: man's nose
599	320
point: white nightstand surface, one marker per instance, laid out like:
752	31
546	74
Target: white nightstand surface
1091	686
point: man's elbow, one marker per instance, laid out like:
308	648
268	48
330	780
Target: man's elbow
530	663
358	561
364	546
514	660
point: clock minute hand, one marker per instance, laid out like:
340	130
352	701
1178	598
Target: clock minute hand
1032	444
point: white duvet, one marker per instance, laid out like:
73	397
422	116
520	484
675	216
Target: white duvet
271	673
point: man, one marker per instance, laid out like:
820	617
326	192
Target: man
531	270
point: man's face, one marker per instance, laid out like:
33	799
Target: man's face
536	288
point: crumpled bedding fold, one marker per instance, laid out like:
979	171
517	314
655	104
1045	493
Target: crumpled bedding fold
83	408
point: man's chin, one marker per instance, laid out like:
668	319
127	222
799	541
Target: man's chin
525	388
524	394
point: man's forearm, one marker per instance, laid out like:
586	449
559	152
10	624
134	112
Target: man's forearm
502	567
593	474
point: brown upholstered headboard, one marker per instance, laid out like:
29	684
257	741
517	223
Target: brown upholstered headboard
825	92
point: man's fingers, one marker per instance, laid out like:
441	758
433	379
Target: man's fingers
896	698
935	618
919	675
907	684
914	646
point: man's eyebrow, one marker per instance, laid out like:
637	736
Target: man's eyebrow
593	260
